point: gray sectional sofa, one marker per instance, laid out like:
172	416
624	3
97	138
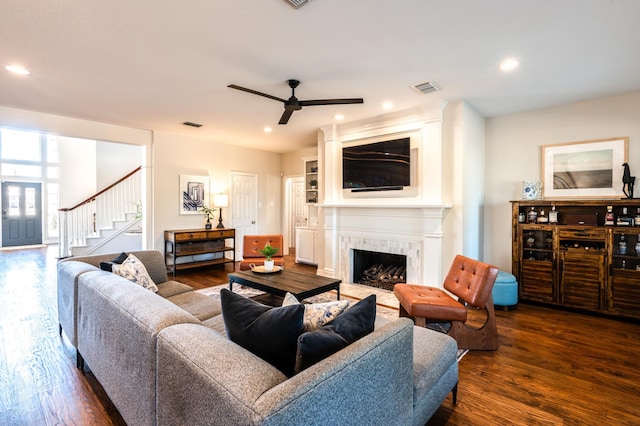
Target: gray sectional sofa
164	359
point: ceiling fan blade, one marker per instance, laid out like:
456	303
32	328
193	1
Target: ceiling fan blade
332	101
255	92
285	116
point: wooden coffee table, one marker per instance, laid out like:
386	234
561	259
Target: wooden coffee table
280	283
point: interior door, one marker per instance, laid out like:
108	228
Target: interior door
300	208
21	214
244	209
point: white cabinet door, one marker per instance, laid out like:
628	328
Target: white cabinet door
306	245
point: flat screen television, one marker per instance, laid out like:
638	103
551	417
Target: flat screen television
379	166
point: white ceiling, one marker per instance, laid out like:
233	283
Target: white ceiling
153	64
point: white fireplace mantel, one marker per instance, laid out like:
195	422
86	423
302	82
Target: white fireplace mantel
412	231
407	222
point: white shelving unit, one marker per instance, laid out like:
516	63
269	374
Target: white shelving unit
311	181
306	236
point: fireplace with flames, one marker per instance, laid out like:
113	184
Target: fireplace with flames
381	270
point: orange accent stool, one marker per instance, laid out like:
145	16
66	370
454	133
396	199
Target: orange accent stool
471	281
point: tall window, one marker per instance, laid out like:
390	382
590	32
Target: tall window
27	156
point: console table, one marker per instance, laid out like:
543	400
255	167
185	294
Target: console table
195	248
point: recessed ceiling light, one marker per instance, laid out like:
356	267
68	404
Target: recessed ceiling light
267	129
387	105
339	117
509	64
17	70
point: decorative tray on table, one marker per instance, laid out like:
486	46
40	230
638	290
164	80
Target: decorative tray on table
260	269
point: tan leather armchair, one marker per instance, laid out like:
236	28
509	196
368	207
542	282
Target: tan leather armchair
253	243
471	281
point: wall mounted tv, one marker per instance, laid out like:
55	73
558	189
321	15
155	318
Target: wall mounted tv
379	166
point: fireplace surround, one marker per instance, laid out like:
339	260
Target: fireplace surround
409	222
414	232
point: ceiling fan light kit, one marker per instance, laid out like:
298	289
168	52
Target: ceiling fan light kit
294	104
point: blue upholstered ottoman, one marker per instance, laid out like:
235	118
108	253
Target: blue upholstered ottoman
505	291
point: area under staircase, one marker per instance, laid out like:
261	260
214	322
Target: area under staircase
108	221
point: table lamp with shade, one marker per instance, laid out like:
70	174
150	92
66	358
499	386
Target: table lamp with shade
220	201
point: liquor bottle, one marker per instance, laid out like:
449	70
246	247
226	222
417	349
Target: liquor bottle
531	241
542	217
637	220
624	219
532	215
609	217
622	245
553	215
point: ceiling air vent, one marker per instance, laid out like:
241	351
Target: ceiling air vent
428	87
297	3
192	124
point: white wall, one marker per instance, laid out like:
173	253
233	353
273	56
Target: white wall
88	166
293	163
77	170
513	154
174	155
116	160
463	177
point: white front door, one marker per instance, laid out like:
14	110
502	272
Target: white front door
244	208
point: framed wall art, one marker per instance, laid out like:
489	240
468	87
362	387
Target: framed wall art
589	169
194	193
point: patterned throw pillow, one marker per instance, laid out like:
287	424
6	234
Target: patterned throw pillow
355	323
317	314
133	270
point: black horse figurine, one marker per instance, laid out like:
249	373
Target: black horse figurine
627	181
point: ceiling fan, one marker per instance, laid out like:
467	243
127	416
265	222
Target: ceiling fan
294	104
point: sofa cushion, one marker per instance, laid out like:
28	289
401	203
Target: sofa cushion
317	314
353	324
270	333
197	304
133	270
172	288
433	355
108	266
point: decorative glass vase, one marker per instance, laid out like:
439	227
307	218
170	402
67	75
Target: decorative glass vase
531	190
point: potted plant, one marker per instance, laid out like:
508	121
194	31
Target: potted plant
208	214
313	183
268	252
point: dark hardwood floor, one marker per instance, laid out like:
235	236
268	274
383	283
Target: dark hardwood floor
553	367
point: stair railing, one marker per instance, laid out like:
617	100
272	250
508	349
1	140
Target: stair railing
99	211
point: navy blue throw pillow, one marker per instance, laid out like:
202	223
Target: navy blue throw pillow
351	325
108	266
270	333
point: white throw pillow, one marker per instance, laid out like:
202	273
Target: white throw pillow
317	314
133	270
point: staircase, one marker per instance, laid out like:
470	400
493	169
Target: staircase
108	221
